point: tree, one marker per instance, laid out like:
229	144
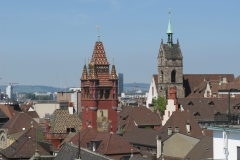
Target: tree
159	103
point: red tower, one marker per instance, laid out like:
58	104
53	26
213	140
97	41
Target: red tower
99	90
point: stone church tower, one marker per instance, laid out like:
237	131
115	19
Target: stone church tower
170	66
99	90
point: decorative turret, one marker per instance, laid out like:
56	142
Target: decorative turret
113	75
84	73
169	32
92	71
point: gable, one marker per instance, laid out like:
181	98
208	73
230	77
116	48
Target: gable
179	144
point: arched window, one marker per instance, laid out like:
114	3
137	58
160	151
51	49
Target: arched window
162	75
173	76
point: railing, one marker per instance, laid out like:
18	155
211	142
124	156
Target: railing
234	118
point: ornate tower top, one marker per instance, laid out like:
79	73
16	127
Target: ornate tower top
113	75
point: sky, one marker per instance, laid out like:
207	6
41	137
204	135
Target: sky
45	42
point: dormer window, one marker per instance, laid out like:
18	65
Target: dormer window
211	103
190	103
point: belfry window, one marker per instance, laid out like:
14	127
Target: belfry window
173	76
162	76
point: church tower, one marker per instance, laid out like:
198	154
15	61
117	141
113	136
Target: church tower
99	90
170	65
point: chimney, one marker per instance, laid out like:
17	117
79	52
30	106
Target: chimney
159	146
70	107
188	127
169	130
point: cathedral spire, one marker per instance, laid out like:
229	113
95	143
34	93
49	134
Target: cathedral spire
169	31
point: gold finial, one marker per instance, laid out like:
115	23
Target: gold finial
85	61
98	32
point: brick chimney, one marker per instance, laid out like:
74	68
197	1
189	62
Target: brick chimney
172	94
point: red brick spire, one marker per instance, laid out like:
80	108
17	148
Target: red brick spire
84	73
113	73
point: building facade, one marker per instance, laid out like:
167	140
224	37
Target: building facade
170	66
99	92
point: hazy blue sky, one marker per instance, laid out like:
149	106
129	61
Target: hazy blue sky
41	40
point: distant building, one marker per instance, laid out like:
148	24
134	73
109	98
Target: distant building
120	83
9	91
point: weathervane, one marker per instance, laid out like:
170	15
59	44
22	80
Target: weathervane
98	32
169	12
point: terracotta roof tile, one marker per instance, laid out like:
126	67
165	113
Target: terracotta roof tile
132	117
19	121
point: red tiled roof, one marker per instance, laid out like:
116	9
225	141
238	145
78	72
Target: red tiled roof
206	107
19	121
8	110
110	143
179	119
99	55
194	80
24	146
140	116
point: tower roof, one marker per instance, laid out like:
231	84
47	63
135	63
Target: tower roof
99	55
169	30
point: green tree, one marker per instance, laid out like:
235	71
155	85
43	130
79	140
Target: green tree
160	103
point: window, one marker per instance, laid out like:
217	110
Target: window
168	113
173	76
238	153
152	91
87	145
162	76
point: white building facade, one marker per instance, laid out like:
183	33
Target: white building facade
152	92
226	143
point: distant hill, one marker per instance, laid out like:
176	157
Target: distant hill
31	89
139	86
44	89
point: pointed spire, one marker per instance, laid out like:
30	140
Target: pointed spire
113	72
169	31
119	132
84	73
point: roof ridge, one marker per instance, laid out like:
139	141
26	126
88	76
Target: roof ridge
20	146
129	118
14	121
84	134
108	143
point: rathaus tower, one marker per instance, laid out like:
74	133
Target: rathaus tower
170	65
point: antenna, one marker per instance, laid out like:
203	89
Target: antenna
98	32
